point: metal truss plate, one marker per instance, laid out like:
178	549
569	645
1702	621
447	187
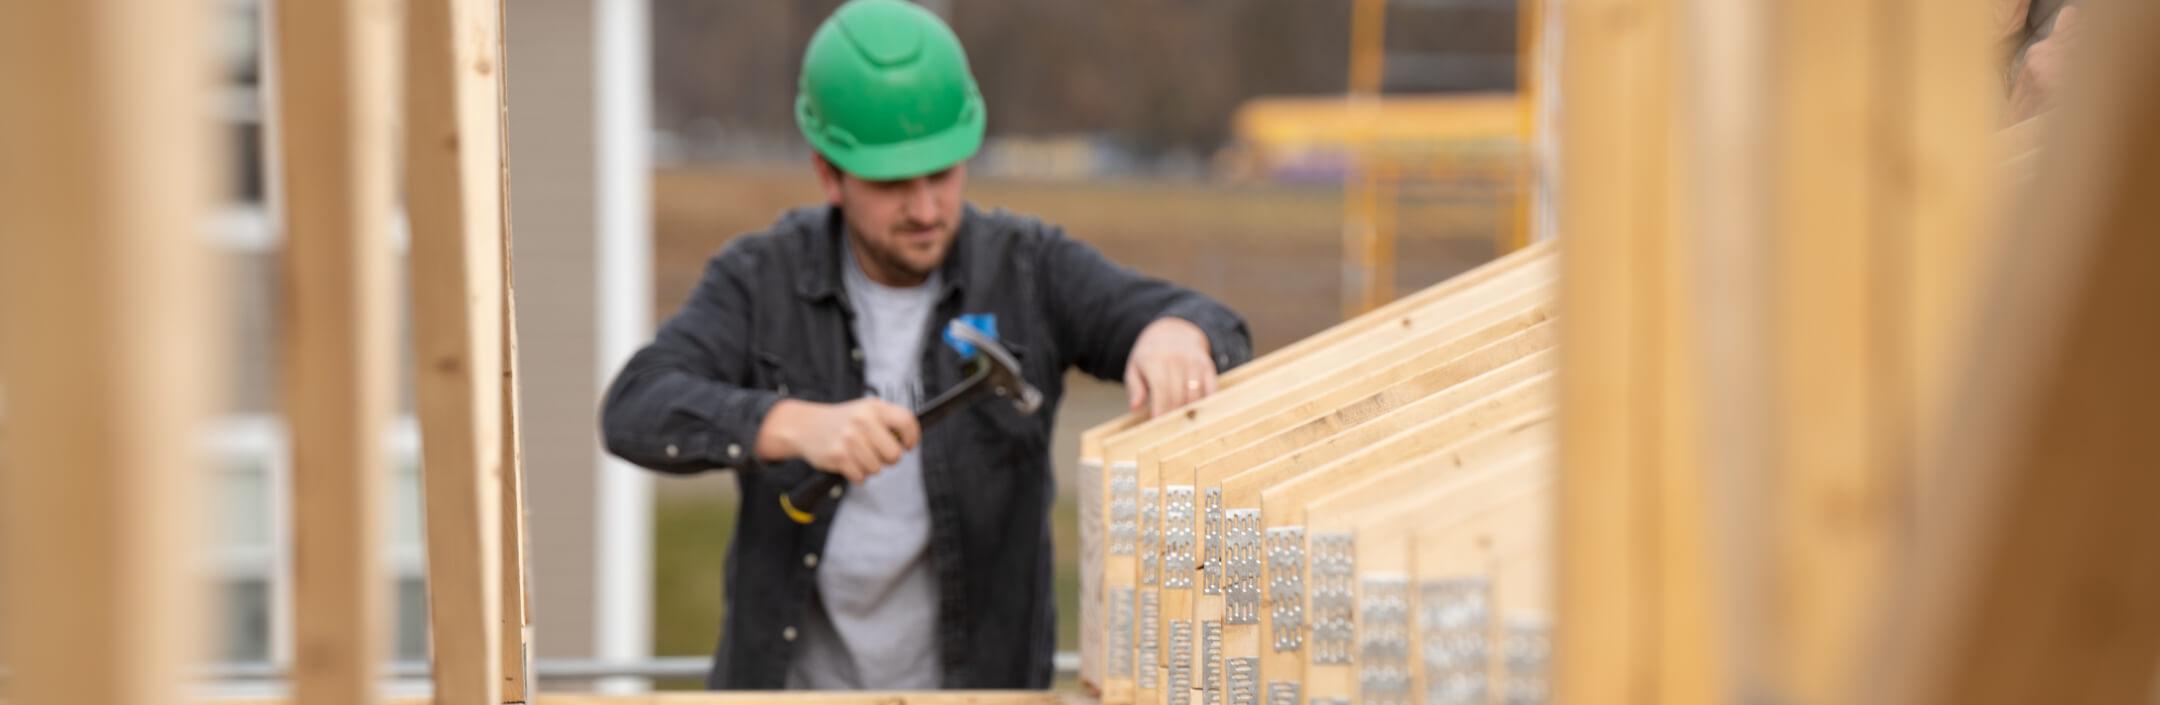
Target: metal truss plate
1286	585
1283	693
1384	640
1150	535
1121	632
1124	507
1529	661
1211	674
1214	542
1180	686
1241	550
1454	617
1150	637
1333	631
1177	550
1244	680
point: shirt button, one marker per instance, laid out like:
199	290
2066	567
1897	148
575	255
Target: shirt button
835	493
809	560
856	353
788	634
734	450
671	450
783	390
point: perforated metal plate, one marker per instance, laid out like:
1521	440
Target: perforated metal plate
1241	550
1150	637
1286	585
1124	507
1121	632
1180	662
1211	675
1333	632
1150	535
1214	543
1283	693
1244	680
1177	551
1453	618
1529	661
1384	640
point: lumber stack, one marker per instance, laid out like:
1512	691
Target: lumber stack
1278	542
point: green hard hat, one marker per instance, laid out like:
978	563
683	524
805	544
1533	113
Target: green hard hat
886	92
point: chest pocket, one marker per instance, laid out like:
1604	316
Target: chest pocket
792	377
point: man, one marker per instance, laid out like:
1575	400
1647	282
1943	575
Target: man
804	348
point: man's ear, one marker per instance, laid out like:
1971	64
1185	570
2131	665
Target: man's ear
828	177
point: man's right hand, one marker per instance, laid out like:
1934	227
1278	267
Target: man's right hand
853	439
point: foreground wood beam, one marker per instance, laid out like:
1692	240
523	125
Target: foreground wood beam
2038	586
1635	607
336	109
453	193
107	345
760	698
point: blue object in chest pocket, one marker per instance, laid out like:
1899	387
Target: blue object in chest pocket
985	322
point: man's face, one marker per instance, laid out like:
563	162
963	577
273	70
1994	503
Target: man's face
901	228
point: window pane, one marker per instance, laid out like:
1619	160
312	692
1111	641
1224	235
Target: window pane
405	507
243	511
412	624
244	621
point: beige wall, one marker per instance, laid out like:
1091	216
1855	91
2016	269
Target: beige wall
552	214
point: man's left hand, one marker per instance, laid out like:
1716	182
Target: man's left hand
1170	367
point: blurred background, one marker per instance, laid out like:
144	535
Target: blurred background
1207	142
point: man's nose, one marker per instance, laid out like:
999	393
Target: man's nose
922	205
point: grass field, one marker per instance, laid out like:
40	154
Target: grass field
1272	253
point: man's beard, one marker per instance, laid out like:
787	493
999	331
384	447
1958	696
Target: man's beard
890	259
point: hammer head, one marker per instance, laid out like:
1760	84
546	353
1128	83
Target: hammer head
1004	371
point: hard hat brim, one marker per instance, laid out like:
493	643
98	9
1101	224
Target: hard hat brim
928	154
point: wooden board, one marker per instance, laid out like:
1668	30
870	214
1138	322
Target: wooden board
336	104
2037	585
1468	434
1451	354
1362	330
1338	575
1385	527
1462	376
1509	545
1119	450
453	196
107	346
988	697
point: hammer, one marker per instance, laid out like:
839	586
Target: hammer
991	370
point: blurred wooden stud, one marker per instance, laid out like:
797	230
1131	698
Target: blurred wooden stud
2038	585
517	634
454	191
336	96
1635	602
108	350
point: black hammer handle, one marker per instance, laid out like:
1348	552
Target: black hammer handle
801	504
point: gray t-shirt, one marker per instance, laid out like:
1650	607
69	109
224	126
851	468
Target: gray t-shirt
874	624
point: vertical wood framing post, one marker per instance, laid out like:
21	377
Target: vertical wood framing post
517	664
2038	588
336	103
107	345
453	195
1635	603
